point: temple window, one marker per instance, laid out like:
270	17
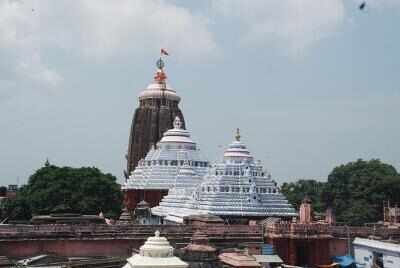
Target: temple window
160	162
274	191
215	189
166	162
154	162
208	189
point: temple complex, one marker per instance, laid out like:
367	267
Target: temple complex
236	189
158	107
174	160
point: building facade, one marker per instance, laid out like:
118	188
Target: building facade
370	253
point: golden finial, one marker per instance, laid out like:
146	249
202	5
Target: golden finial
237	134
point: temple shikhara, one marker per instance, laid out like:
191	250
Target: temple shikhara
174	160
158	107
175	181
234	189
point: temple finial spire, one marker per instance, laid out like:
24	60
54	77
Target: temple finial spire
160	76
237	137
177	123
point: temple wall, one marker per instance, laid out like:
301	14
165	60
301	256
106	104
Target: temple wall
79	248
133	197
338	247
310	252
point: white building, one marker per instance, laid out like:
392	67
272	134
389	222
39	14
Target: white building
155	253
238	187
368	252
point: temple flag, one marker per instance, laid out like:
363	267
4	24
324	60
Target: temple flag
164	52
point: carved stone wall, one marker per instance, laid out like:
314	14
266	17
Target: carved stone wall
148	125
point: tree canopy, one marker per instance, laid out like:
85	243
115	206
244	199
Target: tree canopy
296	191
83	190
356	191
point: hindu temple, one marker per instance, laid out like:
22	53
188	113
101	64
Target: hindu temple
237	188
174	160
158	107
156	252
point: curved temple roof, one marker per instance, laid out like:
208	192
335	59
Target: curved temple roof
238	186
159	88
174	158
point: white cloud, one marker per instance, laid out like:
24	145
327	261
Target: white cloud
293	24
31	67
96	30
142	25
21	44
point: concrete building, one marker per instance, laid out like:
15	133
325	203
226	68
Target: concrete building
370	253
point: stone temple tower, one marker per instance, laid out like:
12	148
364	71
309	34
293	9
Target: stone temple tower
158	107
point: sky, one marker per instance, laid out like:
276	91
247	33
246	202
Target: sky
311	84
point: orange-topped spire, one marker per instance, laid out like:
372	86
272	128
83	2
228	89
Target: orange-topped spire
160	76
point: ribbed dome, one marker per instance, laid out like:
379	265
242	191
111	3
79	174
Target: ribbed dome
237	150
157	246
159	89
177	134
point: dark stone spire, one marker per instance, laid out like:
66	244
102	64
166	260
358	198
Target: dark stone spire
158	107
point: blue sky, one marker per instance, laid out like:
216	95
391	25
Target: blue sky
311	84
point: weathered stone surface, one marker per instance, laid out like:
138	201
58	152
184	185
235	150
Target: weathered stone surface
148	125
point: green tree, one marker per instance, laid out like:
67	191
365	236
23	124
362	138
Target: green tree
296	191
357	190
16	210
83	190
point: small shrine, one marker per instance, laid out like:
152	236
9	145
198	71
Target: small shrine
155	253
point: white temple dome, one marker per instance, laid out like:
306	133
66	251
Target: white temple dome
156	246
235	188
155	253
237	151
159	88
177	134
175	155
